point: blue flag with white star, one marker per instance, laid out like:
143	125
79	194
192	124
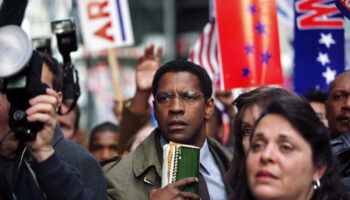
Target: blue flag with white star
318	44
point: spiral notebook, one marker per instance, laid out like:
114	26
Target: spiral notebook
180	161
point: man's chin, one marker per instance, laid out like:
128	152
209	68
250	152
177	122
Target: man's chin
177	137
340	131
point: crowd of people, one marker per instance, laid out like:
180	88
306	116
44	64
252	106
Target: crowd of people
285	146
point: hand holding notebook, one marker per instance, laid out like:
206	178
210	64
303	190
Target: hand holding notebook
173	191
180	161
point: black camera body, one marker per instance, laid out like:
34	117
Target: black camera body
19	89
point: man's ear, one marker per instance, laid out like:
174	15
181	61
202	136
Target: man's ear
209	108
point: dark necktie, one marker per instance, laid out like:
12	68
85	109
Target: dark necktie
202	188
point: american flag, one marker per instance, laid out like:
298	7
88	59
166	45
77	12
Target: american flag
318	44
205	51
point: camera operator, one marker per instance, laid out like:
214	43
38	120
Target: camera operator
49	167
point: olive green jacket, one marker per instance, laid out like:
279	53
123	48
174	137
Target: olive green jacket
133	177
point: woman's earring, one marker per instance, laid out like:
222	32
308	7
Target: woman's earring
317	185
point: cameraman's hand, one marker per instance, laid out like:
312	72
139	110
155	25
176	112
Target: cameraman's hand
173	191
43	109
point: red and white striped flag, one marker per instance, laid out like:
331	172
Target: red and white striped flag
205	52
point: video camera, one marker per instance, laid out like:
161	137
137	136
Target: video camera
20	69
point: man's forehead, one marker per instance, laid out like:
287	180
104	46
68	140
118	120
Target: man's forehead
341	82
172	79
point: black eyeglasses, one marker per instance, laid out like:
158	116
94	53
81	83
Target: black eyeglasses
187	97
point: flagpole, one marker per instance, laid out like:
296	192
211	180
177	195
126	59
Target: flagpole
114	68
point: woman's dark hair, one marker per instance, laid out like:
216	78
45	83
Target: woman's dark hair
302	117
316	95
261	97
181	65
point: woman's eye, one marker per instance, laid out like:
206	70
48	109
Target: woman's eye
247	131
255	146
286	147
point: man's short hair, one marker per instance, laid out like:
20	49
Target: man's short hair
104	127
56	69
316	95
181	65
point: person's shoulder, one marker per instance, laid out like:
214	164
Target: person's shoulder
118	164
76	155
213	144
68	147
110	163
220	153
119	176
81	159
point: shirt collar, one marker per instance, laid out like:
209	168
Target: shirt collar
204	156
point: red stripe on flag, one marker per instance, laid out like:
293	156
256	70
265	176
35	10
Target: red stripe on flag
209	48
203	52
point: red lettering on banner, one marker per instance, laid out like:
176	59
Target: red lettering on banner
93	15
102	32
318	15
99	6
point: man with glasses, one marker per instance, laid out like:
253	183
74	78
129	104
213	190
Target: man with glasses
182	105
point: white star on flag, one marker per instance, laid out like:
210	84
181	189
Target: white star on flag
329	75
323	58
326	39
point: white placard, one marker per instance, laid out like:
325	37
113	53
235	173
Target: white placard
105	24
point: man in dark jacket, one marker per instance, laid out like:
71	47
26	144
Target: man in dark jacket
338	115
182	105
50	167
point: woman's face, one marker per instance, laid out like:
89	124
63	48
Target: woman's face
249	118
279	162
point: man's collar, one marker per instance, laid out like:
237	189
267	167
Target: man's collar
148	155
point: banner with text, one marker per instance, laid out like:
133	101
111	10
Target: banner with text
105	24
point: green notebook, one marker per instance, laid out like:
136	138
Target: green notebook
180	161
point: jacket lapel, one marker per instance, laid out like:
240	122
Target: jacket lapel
149	163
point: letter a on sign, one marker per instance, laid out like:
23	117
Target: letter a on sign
105	24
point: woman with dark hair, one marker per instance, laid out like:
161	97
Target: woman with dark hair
249	106
290	156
